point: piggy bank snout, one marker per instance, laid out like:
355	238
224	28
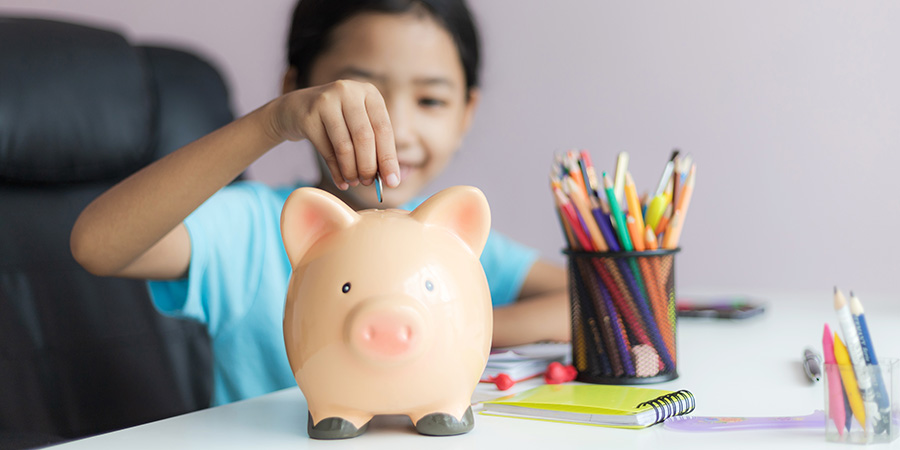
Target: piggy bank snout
386	332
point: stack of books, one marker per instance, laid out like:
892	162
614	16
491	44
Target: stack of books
525	361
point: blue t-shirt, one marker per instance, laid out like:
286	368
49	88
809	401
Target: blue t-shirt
238	277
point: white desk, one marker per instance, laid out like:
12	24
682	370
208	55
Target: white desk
741	368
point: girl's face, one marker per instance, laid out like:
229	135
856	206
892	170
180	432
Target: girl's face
414	63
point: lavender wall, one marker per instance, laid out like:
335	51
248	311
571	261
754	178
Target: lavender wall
791	110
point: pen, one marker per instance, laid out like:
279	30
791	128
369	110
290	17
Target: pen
655	210
664	180
812	365
663	221
658	201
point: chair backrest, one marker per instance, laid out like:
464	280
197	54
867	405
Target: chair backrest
80	109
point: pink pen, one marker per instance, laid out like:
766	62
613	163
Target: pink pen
835	396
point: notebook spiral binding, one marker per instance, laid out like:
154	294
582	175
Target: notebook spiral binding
673	404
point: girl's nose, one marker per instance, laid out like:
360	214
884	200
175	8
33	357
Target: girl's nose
402	120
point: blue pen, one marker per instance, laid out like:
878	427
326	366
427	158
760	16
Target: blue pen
881	397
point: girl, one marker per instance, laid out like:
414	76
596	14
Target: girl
375	85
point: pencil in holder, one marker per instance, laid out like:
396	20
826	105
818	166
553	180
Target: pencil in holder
862	413
623	316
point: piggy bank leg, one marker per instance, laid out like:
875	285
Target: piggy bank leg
333	428
443	424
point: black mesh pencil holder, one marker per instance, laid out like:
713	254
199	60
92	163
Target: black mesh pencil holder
623	316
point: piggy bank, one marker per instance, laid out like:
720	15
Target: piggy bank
387	311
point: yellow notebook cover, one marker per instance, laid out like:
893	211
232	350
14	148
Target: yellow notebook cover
594	404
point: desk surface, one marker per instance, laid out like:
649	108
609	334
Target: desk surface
734	368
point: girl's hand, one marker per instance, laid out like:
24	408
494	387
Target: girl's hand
348	123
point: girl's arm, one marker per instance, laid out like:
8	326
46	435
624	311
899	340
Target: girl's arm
540	314
135	229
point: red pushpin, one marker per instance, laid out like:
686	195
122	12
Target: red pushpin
558	373
503	381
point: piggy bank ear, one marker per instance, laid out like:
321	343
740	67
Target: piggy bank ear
463	210
310	214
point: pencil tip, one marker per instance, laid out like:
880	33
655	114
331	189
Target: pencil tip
839	301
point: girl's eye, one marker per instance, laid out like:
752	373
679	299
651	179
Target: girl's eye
346	287
430	102
429	285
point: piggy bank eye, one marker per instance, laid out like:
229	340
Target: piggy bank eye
346	288
429	285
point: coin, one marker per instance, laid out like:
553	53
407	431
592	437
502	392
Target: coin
378	186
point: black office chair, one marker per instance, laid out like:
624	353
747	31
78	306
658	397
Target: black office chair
80	109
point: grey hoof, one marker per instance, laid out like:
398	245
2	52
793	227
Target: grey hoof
443	424
333	428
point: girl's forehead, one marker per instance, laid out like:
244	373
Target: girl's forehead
403	45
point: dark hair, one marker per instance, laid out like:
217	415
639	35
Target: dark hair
313	21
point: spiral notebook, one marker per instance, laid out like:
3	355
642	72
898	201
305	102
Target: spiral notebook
594	404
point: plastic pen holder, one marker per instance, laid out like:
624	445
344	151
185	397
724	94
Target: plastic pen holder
858	415
623	316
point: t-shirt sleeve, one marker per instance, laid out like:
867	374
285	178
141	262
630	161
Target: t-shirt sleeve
229	235
506	264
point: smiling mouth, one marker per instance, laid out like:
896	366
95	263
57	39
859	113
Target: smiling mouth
406	170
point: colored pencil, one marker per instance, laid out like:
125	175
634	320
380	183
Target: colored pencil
582	204
611	331
664	220
619	179
836	396
620	337
592	174
634	203
630	309
845	367
606	229
673	233
617	215
855	352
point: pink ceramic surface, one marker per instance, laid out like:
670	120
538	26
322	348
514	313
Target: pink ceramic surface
387	311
